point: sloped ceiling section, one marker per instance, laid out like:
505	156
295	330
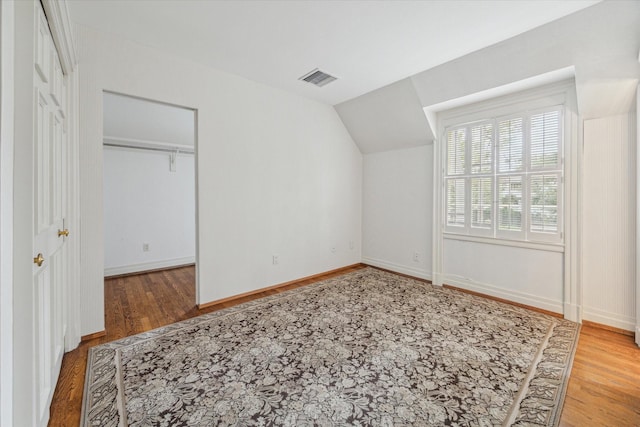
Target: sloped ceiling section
387	118
600	43
366	44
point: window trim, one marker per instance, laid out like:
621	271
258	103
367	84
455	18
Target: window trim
526	103
563	92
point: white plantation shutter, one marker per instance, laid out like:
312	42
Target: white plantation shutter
544	203
510	203
456	142
482	202
503	177
545	139
511	145
456	202
482	148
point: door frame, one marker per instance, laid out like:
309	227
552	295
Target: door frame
637	216
195	178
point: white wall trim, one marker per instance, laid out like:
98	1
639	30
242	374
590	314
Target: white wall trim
73	335
638	214
611	319
549	247
519	297
135	268
421	274
572	311
572	209
60	25
437	262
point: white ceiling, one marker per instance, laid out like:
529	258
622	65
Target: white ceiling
366	44
597	47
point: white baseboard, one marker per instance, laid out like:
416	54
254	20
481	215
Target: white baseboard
155	265
414	272
638	336
507	294
610	319
573	312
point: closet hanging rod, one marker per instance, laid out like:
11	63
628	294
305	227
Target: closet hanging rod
137	147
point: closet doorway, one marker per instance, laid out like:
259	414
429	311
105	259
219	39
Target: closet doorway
149	190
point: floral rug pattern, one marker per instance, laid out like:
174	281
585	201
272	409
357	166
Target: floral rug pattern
369	348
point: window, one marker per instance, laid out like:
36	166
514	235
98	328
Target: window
503	176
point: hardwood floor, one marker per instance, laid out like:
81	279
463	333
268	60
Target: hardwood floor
604	388
135	304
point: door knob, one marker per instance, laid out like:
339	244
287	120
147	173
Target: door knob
64	233
38	260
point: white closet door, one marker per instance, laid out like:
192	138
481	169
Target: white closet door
49	268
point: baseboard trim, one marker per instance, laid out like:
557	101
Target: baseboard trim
397	268
607	328
148	266
573	312
608	319
505	294
506	301
400	274
93	336
278	286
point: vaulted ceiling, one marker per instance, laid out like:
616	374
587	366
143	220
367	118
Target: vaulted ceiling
394	58
597	46
366	44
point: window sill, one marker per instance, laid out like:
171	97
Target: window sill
541	246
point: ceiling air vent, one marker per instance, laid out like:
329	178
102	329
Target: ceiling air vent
318	78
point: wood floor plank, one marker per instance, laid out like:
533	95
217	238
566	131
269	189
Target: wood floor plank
604	388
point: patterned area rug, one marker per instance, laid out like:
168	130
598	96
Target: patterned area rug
368	348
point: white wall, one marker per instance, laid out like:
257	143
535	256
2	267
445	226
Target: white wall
528	276
144	202
609	226
6	211
601	44
276	173
137	119
397	204
24	376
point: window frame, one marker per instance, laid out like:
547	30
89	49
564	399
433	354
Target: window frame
489	112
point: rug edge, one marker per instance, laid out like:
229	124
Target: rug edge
565	384
83	412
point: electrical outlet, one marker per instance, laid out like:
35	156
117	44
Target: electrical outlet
416	257
333	249
351	244
145	247
275	260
